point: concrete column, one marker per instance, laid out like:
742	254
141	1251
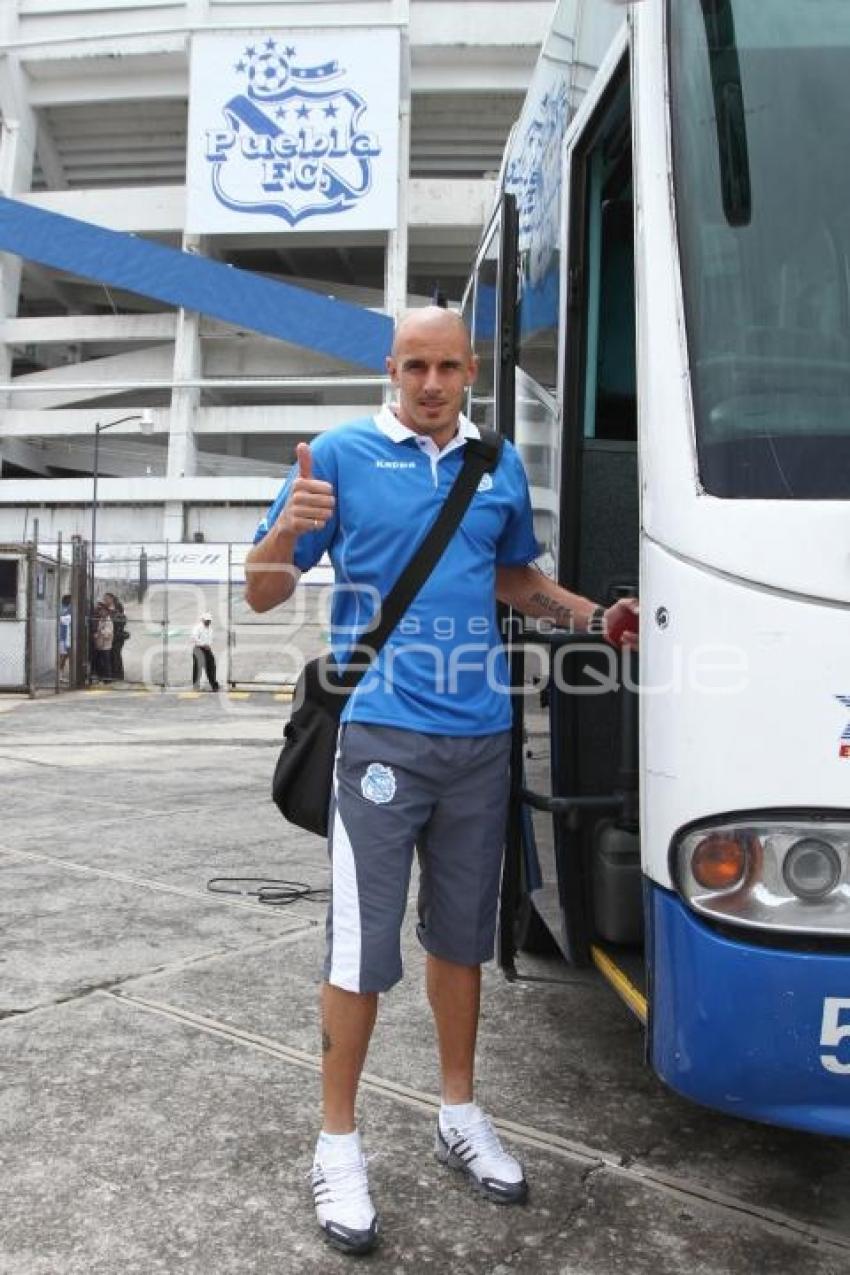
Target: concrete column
17	152
174	521
188	365
395	274
18	136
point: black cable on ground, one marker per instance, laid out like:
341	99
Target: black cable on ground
268	890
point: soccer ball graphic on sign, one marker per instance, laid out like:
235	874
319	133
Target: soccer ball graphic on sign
268	74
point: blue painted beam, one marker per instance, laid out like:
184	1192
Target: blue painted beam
337	328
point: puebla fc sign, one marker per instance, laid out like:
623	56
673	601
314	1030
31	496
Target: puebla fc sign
293	130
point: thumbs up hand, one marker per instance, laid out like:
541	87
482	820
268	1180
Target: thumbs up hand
310	502
304	457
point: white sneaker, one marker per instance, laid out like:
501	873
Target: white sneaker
475	1150
344	1207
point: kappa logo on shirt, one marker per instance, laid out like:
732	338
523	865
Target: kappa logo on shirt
395	464
486	483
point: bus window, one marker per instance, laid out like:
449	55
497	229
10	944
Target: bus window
538	441
765	242
610	393
467	306
533	176
615	397
482	399
599	536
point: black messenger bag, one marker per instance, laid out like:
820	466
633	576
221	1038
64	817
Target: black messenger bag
303	776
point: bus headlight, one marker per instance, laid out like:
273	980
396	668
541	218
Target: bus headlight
791	875
811	868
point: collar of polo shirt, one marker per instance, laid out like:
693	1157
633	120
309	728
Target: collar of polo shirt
389	424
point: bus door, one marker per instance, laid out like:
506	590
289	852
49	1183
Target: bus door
585	825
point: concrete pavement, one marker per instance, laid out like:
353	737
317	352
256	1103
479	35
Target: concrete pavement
159	1049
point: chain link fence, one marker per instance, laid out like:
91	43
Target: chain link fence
163	590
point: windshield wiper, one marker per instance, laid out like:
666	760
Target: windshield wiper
729	111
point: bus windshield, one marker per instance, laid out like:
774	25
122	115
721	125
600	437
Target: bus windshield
760	119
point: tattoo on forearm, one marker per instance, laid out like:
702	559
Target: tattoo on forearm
326	1041
556	611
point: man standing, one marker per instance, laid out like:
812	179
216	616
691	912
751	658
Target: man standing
202	652
103	642
424	742
119	634
65	623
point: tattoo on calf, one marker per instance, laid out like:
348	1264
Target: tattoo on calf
326	1041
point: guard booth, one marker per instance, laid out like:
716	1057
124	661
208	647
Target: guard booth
32	583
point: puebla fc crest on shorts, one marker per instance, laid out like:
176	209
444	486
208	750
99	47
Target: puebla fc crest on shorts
378	784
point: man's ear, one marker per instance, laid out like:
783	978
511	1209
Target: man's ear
392	368
472	371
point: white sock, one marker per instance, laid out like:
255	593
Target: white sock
456	1114
339	1145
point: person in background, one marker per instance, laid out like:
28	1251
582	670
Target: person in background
64	632
103	633
119	634
202	653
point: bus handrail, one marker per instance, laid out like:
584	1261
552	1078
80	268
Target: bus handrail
566	805
621	801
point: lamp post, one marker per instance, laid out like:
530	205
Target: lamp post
146	427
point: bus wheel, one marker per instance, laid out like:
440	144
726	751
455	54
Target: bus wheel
530	932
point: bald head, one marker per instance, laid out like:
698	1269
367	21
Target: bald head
432	367
427	322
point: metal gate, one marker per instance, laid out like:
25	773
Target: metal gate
33	583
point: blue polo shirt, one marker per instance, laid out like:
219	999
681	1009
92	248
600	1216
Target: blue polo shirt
443	669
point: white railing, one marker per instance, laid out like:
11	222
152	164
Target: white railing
202	383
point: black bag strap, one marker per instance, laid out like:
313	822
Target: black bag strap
481	456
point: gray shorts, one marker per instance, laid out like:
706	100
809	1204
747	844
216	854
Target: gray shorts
395	790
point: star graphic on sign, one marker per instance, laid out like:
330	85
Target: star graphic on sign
290	52
250	52
280	113
303	112
330	110
270	43
240	66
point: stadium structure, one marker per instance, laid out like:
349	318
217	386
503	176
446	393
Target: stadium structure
183	185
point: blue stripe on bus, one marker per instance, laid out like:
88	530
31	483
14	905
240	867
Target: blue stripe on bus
291	314
737	1026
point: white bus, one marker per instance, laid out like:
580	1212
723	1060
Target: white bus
662	306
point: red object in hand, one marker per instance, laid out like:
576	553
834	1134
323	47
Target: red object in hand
624	622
